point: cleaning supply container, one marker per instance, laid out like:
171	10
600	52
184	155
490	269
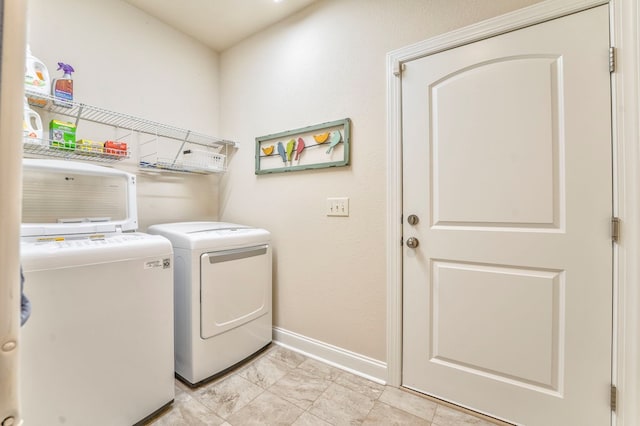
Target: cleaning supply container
62	88
36	80
32	129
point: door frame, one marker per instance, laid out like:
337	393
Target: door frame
625	81
13	34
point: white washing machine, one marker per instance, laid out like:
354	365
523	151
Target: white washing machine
222	295
98	347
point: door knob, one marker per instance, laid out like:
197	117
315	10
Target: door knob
412	242
413	219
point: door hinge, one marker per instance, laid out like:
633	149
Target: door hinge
615	229
614	398
398	68
612	59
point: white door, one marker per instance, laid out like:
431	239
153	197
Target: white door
507	298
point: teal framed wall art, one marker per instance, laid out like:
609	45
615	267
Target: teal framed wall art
313	147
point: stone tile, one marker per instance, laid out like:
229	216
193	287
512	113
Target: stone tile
383	414
446	416
265	371
300	388
307	419
341	406
266	409
186	410
406	401
228	396
320	369
359	384
289	357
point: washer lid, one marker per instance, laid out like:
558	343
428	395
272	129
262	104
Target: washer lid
209	235
67	197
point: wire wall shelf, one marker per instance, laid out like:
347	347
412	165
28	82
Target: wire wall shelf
191	161
186	159
38	150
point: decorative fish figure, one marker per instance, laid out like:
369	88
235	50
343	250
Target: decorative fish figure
299	148
281	152
290	146
334	140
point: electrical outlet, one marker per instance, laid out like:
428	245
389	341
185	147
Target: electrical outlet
338	206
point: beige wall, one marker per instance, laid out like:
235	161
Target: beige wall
324	64
129	62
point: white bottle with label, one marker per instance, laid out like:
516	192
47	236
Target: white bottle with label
32	129
36	80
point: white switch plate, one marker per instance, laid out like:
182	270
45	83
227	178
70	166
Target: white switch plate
338	206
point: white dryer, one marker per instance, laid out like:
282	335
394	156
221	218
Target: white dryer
98	347
222	295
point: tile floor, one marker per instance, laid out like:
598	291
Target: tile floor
283	387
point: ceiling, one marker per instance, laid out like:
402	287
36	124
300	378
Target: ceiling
220	23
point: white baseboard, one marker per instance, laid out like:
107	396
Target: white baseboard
340	358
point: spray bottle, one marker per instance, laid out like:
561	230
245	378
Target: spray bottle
62	88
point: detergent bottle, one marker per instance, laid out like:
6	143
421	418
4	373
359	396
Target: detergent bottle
62	88
32	129
36	80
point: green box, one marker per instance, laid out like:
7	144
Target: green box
62	135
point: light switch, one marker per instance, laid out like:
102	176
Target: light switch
338	206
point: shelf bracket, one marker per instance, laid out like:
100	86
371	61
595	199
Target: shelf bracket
180	149
80	107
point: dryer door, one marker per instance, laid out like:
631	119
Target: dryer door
235	288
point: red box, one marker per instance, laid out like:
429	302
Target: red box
115	148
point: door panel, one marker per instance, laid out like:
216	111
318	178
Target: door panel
507	163
235	288
477	306
472	182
